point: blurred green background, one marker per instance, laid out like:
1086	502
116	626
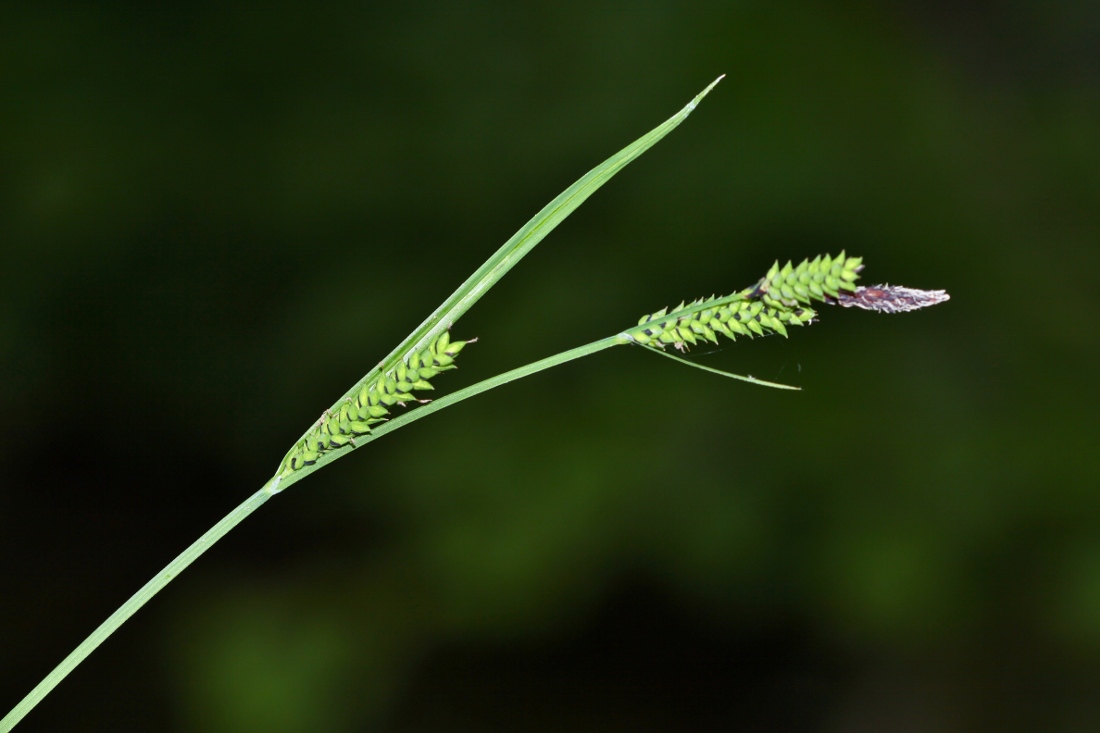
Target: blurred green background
216	217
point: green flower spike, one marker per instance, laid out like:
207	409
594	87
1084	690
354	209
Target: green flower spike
778	300
371	404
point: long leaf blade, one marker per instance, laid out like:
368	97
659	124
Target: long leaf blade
511	252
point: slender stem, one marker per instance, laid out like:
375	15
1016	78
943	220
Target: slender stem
136	601
496	381
250	505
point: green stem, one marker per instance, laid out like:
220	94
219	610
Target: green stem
253	503
136	601
462	394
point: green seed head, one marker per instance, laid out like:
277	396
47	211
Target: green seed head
370	405
776	302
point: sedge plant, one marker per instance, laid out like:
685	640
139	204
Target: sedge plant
377	404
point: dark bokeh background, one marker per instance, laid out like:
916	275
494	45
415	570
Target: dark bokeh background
215	218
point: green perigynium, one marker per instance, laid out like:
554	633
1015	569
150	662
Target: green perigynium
371	403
